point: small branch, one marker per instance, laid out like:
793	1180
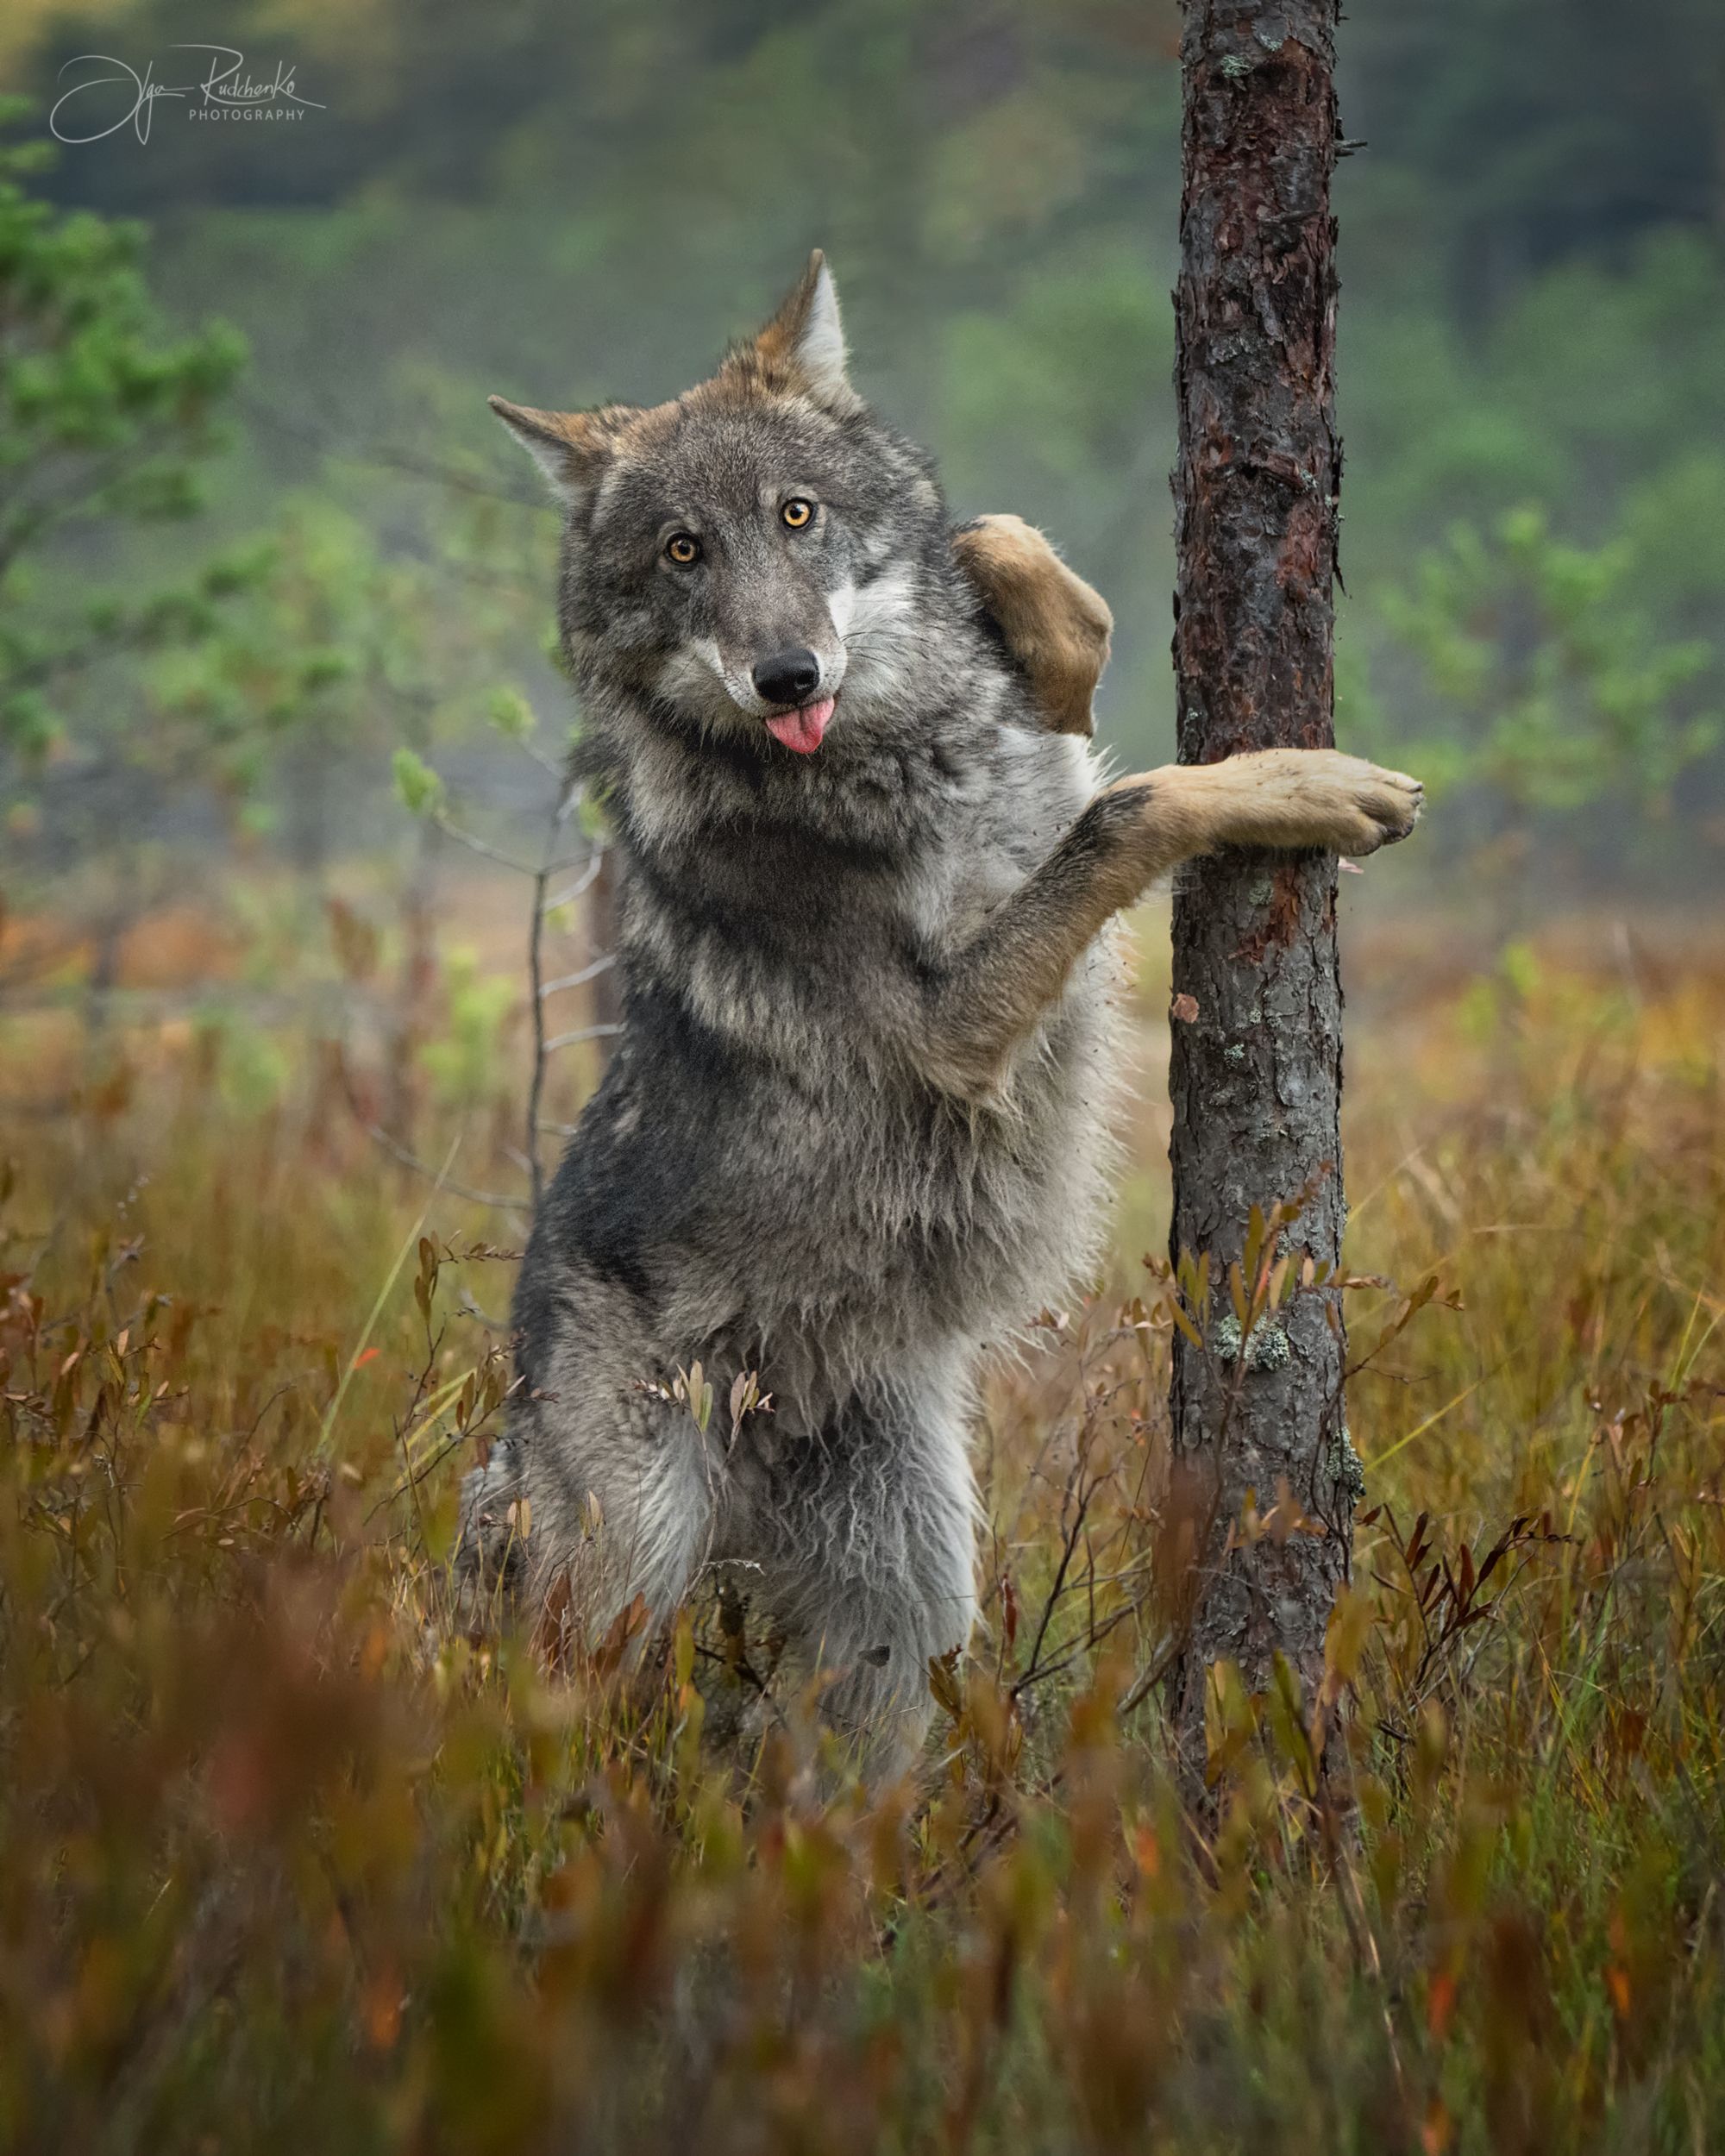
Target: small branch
469	1308
408	1158
579	887
580	1033
389	459
488	852
1146	1683
548	764
569	799
580	977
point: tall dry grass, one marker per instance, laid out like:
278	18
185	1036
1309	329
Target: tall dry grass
290	1859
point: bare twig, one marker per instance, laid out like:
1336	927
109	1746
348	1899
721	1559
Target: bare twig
409	1158
579	887
580	1033
487	852
388	458
581	976
568	799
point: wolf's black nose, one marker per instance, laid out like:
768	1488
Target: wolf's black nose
788	677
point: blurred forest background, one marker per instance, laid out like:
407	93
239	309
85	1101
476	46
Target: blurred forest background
324	550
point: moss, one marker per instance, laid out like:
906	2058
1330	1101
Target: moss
1347	1467
1266	1349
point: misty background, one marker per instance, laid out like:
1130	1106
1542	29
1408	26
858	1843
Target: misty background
570	203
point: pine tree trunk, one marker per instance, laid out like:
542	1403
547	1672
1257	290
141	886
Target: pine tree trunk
1256	1074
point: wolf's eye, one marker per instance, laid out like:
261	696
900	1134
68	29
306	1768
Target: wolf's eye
797	513
682	548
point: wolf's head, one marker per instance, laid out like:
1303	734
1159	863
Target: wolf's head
758	559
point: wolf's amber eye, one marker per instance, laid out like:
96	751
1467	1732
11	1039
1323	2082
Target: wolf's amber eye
797	513
682	548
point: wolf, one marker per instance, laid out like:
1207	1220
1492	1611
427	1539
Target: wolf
857	1128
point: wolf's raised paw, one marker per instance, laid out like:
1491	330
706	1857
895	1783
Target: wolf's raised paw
1341	803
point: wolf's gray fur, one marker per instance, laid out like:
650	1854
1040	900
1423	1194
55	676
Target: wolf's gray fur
857	1124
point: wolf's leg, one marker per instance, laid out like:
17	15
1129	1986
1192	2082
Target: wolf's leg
869	1563
623	1511
991	993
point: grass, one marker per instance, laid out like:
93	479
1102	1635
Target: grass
289	1859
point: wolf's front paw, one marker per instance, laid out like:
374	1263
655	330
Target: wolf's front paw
1343	803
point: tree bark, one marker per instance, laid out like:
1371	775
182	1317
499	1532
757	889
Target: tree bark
1256	1075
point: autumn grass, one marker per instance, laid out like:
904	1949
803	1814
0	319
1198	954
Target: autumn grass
293	1857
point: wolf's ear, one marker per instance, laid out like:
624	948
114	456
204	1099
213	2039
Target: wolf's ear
803	345
572	448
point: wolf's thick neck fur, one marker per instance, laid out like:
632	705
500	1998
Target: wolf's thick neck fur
779	923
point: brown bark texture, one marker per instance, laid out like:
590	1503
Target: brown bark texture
1256	1075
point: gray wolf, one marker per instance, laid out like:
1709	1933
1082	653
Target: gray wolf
857	1126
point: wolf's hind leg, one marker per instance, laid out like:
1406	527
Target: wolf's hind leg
625	1513
872	1571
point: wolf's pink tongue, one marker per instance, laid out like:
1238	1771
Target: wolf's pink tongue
802	730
